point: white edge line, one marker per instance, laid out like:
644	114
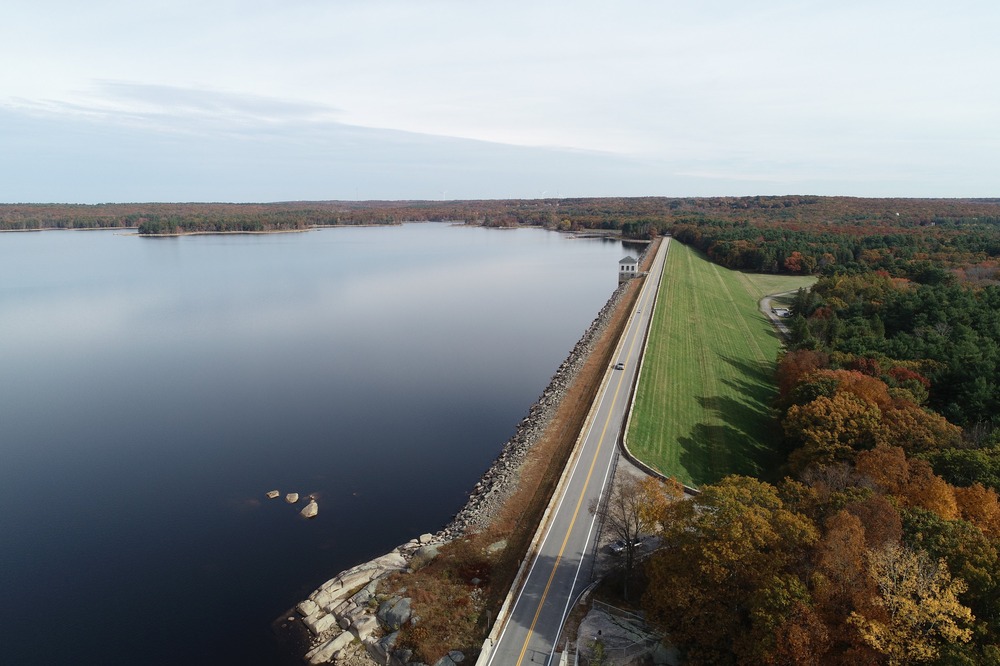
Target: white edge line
548	532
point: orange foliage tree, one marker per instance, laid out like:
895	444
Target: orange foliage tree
828	430
728	578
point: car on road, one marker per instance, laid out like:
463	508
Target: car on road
618	547
619	366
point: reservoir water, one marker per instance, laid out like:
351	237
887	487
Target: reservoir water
153	389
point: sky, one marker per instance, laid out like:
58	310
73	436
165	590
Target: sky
282	100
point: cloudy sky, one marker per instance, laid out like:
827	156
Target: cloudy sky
275	100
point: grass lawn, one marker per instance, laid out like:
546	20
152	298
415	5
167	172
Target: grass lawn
702	408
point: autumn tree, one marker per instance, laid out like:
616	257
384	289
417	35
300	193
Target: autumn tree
727	570
917	430
840	580
911	480
634	508
880	518
886	467
794	365
918	607
840	586
980	506
971	556
929	491
828	430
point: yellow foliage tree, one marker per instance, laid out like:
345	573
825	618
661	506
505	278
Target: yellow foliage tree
832	429
916	429
919	607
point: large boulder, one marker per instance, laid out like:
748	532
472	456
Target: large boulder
320	624
365	626
333	591
307	607
394	612
325	652
384	651
423	556
391	560
310	509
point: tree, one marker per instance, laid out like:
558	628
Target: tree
917	430
929	491
829	430
840	585
881	520
970	555
980	506
796	364
632	509
886	467
963	467
726	572
920	610
911	480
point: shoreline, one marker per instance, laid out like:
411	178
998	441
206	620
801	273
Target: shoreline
319	620
18	231
134	231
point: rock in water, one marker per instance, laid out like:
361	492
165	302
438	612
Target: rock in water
292	498
271	494
311	509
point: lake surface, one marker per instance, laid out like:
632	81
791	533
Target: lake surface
153	389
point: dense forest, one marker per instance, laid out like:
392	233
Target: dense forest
882	544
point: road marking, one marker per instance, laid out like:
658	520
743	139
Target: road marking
646	294
583	493
576	513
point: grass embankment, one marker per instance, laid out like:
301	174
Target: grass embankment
457	615
702	408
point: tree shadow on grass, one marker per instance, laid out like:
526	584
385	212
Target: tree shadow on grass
756	372
743	442
712	451
770	330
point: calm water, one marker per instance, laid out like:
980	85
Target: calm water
153	389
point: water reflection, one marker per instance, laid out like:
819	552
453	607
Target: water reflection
154	389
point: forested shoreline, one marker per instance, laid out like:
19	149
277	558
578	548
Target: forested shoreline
755	233
882	544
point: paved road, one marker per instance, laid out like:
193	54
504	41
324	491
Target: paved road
779	323
561	568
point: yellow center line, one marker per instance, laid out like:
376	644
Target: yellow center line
576	511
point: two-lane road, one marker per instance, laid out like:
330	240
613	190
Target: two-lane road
554	578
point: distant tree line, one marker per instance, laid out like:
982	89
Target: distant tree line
793	234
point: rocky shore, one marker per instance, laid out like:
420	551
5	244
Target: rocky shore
499	481
346	613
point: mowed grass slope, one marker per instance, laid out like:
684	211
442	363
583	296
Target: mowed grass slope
702	408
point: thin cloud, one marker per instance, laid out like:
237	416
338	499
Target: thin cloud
673	98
